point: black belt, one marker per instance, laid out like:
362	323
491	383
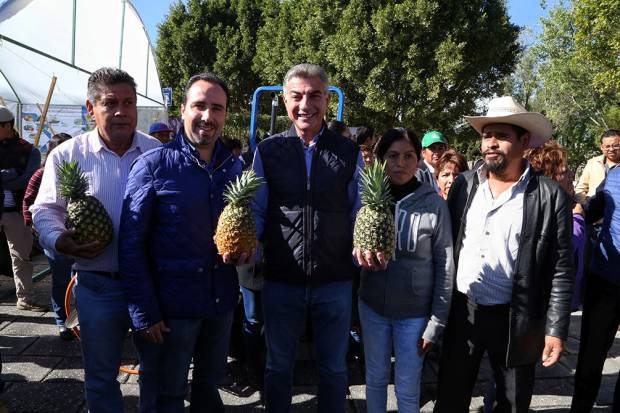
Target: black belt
488	308
109	274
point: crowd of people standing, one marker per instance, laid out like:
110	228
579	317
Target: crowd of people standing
485	258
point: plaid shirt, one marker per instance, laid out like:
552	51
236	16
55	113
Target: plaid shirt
30	195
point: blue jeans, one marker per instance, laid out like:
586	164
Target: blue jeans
60	266
164	367
252	327
104	322
285	308
380	335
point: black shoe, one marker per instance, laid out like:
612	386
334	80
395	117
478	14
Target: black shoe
66	334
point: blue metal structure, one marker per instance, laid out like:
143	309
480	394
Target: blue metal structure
255	99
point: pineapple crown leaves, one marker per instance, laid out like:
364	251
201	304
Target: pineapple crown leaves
72	183
243	188
375	186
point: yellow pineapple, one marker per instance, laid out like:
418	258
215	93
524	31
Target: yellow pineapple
374	226
236	228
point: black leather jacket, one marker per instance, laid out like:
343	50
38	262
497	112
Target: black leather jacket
544	274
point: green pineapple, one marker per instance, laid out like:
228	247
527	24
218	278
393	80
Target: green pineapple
85	213
374	226
236	228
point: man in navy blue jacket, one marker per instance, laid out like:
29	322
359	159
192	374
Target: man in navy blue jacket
180	293
601	306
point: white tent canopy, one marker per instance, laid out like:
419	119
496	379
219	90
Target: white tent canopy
70	39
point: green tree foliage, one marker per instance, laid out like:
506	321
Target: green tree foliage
416	63
568	92
597	41
214	35
423	64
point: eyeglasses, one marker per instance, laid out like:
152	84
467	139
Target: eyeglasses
615	147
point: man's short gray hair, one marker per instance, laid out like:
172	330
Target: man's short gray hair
306	70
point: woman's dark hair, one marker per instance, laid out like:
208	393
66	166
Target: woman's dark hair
57	140
363	134
394	135
337	126
54	141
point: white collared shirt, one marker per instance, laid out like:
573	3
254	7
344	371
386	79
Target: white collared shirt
491	242
107	176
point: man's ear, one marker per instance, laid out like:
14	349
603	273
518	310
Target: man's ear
525	140
90	108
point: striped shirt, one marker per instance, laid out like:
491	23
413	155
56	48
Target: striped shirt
491	242
107	176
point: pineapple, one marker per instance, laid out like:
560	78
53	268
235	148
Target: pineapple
374	226
85	213
236	228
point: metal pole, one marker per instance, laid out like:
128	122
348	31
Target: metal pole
274	113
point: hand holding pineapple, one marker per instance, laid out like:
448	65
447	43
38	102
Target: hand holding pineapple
235	236
374	232
66	245
89	227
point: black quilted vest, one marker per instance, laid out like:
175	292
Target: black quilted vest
308	234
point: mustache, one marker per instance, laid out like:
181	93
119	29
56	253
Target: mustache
203	124
494	152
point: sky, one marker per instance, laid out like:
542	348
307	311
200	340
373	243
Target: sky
521	12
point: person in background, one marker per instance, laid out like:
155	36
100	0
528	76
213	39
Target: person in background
598	167
552	160
601	307
233	145
451	164
365	139
60	265
404	304
340	128
161	131
18	161
434	144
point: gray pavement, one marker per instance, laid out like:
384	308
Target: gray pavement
44	374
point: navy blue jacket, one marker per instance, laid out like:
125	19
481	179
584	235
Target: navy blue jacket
604	204
167	257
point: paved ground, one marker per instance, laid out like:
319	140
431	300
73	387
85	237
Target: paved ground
44	374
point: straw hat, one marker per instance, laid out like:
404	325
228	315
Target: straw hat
506	109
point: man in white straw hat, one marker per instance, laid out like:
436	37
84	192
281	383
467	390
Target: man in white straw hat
512	233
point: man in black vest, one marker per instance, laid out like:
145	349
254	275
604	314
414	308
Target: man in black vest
18	161
305	216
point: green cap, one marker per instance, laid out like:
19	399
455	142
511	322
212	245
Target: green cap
432	137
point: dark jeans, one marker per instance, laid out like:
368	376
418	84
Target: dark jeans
471	330
60	267
599	324
164	367
252	330
285	307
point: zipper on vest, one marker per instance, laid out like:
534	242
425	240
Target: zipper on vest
308	228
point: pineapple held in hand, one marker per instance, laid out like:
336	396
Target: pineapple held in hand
236	228
85	213
374	226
